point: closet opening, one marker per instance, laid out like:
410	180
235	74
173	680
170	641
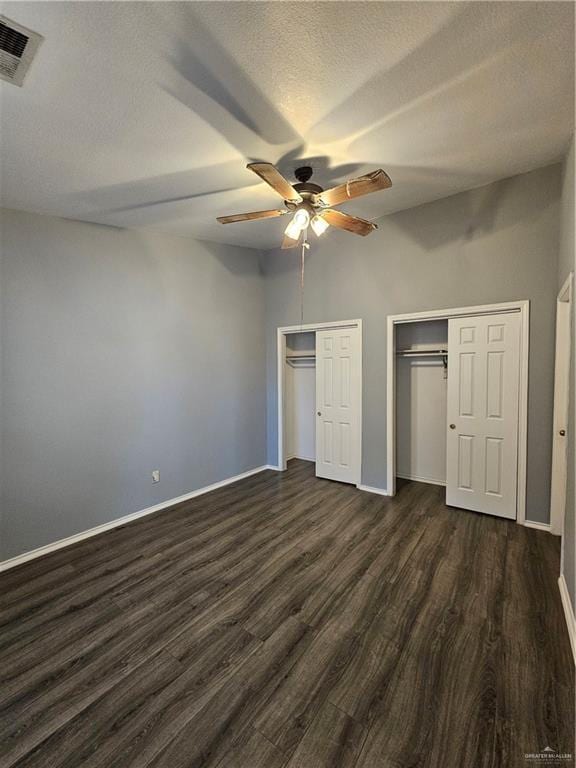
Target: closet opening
421	386
457	405
300	379
320	398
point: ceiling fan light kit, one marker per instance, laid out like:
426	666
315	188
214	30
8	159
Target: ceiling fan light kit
319	225
298	224
311	204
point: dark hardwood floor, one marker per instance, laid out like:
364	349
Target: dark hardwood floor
289	621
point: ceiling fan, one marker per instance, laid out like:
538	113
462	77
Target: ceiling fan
312	205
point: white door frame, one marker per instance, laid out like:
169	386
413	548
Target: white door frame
561	395
281	334
523	307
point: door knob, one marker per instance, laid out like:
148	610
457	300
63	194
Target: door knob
452	426
562	432
319	413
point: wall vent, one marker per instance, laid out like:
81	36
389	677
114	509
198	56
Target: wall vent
18	47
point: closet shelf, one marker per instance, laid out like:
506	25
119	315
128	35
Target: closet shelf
302	362
422	352
301	358
443	353
300	355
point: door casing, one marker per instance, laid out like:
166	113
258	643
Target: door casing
523	307
281	334
562	364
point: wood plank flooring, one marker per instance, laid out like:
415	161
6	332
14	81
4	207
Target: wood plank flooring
289	622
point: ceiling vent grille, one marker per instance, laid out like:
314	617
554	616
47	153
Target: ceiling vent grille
18	47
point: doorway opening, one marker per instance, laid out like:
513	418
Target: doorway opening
319	379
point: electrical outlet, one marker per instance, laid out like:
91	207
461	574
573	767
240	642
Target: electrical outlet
155	475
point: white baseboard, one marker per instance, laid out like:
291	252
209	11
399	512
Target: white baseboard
55	545
568	613
538	526
372	489
417	479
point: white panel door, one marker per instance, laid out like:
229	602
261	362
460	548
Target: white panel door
482	430
338	404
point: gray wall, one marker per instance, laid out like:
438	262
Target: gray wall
495	243
566	264
122	352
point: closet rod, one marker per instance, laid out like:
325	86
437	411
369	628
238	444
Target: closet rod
443	353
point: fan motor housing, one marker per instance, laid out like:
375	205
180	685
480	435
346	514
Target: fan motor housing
303	176
307	187
304	187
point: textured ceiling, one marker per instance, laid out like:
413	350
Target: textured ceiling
145	114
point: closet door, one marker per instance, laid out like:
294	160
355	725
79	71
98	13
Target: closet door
482	433
338	404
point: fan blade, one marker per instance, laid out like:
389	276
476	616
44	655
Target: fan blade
288	242
249	216
272	176
363	185
349	223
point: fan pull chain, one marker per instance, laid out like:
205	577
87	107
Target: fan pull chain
305	246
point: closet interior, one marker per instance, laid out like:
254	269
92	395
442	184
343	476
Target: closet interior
300	382
421	400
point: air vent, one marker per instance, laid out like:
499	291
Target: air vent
18	47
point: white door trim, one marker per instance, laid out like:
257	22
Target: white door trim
561	398
281	334
523	307
568	613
